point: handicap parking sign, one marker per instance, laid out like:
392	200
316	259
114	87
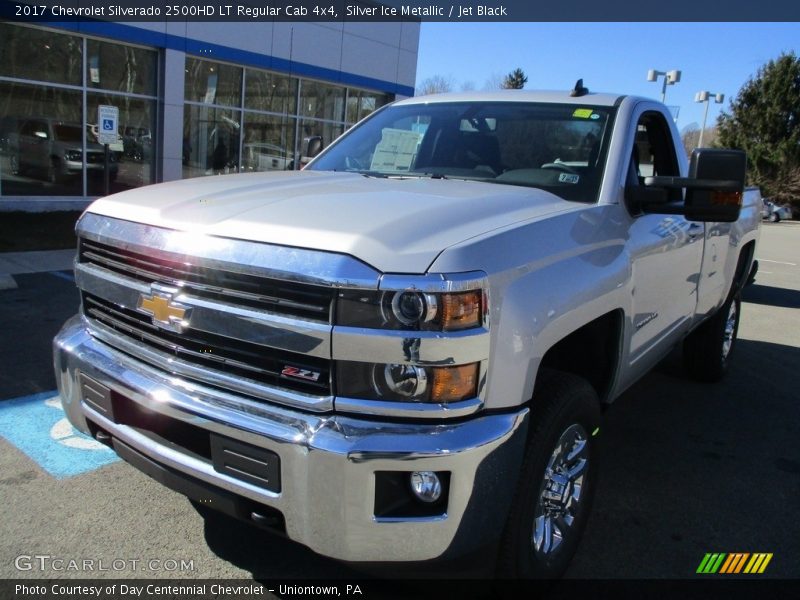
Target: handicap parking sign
108	118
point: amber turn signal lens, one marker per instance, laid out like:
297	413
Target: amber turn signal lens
451	384
461	311
726	198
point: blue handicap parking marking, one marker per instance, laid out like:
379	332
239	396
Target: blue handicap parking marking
38	426
108	125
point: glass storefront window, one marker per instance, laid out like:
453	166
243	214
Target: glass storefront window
361	104
210	140
47	147
121	68
327	131
270	92
321	101
41	141
132	155
213	83
27	53
268	143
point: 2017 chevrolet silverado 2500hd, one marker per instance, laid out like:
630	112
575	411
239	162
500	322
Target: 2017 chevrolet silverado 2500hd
401	352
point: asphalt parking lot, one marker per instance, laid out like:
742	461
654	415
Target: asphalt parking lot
687	468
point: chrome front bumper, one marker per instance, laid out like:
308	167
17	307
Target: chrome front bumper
327	462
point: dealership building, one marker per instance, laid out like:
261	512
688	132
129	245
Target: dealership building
193	99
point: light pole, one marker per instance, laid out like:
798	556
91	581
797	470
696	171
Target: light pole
704	97
670	78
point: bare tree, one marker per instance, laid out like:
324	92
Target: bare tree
435	85
493	82
468	86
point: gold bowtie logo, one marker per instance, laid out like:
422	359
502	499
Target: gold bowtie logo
164	311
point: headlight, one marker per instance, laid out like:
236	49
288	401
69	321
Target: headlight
407	383
410	310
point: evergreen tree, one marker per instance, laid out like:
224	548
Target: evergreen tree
515	80
764	121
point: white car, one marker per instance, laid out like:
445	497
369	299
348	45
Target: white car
774	213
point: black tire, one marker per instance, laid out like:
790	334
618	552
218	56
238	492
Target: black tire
564	405
774	218
708	349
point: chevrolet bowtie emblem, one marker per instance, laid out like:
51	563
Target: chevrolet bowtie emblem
165	312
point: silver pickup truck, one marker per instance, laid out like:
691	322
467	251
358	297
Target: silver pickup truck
403	351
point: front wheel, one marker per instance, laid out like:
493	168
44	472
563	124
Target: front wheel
554	495
708	349
774	218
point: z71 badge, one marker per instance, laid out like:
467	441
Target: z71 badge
300	373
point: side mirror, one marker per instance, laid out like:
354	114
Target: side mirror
720	202
714	188
312	146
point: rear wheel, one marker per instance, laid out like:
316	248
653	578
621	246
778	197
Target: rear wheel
774	217
707	351
554	495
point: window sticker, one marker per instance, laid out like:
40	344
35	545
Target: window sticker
583	113
568	178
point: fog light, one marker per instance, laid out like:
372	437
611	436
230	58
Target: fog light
426	485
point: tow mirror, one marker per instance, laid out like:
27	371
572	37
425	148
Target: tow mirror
714	188
725	171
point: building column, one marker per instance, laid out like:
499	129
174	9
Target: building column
172	124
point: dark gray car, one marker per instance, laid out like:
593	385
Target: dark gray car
53	149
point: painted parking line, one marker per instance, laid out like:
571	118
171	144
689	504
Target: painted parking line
37	426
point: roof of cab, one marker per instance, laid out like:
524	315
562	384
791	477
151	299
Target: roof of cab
555	97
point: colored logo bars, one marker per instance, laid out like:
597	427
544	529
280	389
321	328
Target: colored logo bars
737	562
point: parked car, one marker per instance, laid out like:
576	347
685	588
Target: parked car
264	157
774	212
53	148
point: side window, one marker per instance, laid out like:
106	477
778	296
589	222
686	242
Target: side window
653	152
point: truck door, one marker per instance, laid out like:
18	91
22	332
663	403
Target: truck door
666	253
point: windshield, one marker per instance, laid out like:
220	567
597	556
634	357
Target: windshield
557	147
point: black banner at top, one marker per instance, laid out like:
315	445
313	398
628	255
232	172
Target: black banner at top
43	11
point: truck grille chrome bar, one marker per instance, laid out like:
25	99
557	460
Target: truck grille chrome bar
280	297
258	363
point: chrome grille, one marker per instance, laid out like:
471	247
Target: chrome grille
279	297
251	361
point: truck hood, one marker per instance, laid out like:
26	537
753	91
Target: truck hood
394	225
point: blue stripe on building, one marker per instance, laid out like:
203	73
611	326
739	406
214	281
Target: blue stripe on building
145	37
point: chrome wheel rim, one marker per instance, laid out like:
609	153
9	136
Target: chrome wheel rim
730	329
561	491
